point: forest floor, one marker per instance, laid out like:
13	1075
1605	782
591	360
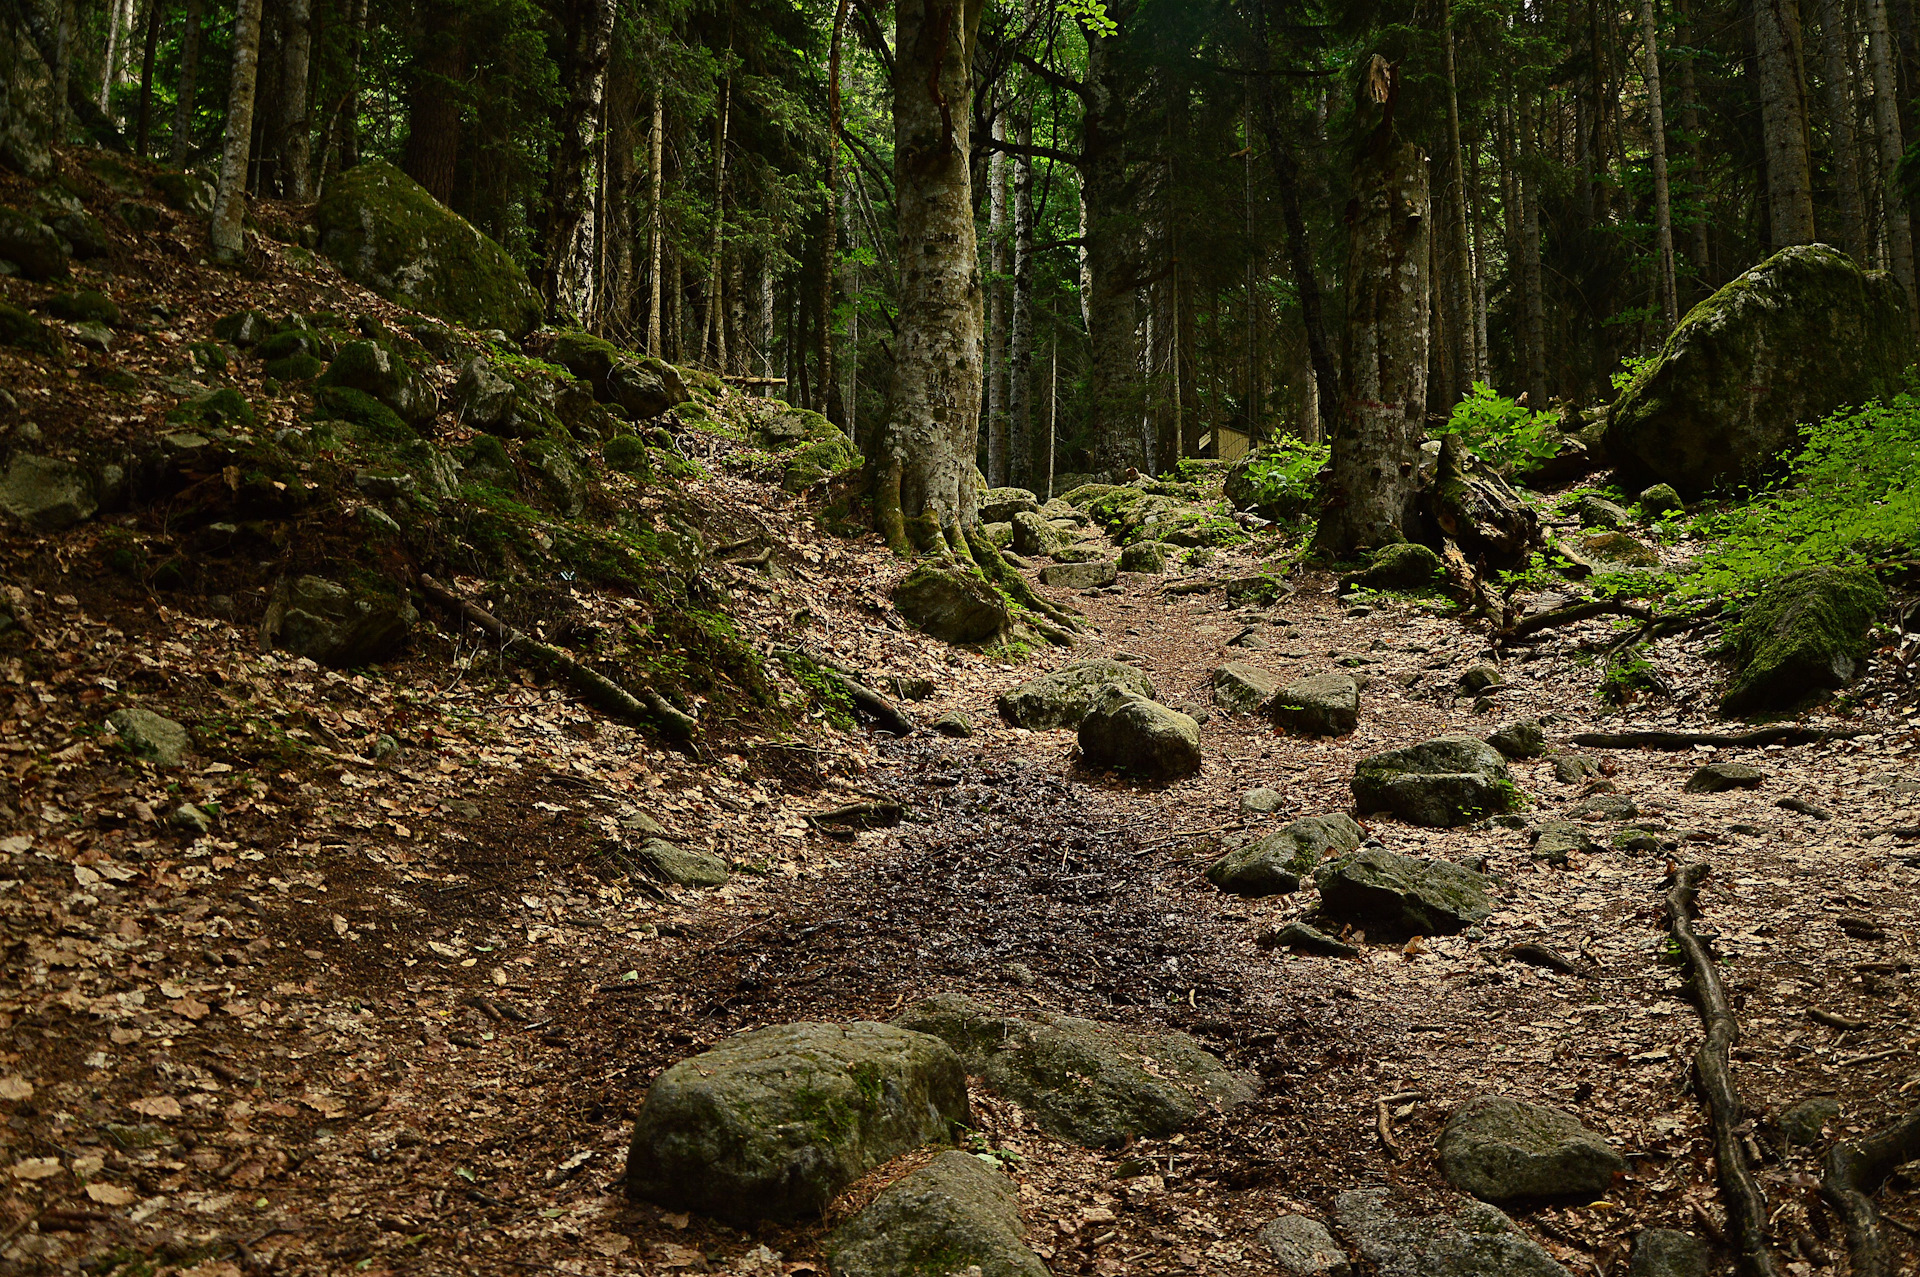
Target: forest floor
395	1013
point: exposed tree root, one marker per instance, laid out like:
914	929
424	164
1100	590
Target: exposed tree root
1687	740
594	688
882	712
1003	574
1713	1078
1855	1168
1568	615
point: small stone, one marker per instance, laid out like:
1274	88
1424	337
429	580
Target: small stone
47	493
1571	769
953	723
1479	678
153	737
1607	807
1524	739
1665	1252
1261	802
999	505
1241	688
683	866
1618	552
1250	638
1636	840
1598	512
1192	709
1804	808
191	819
1306	939
1805	1122
1080	576
1148	556
1718	778
1660	499
1034	536
1500	1149
1018	973
1556	840
1322	705
1274	865
956	1215
1425	897
1303	1247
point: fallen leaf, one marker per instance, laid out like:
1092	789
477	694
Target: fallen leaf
111	1194
156	1106
15	1088
35	1168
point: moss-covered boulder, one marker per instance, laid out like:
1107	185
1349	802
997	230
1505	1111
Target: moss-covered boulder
185	193
957	1214
1618	552
1804	634
1126	732
1241	688
23	332
1450	780
1275	864
1403	893
951	604
372	369
86	306
337	625
47	493
1403	566
814	462
31	246
774	1123
1063	698
1800	335
1318	705
1500	1149
384	230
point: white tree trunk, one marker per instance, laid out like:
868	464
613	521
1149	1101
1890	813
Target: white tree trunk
997	310
655	224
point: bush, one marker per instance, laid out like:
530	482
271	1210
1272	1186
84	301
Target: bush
1849	498
1500	432
1279	479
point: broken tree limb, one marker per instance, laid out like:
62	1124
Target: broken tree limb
1576	612
593	687
867	702
1854	1169
1713	1077
1687	740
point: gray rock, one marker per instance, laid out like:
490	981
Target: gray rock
1804	634
1451	780
1618	552
1500	1149
1240	688
190	819
1320	705
1303	1247
1804	1123
1598	512
1718	778
774	1123
1080	576
1661	499
1476	1241
1481	677
1608	807
154	737
1664	1252
1556	840
484	399
372	369
1305	939
47	493
1636	840
682	866
1571	769
1148	556
1524	739
31	246
646	389
1251	638
1275	864
1034	536
953	723
951	605
1425	897
1095	1084
955	1215
999	505
999	535
1129	733
1804	808
1063	698
332	625
1261	802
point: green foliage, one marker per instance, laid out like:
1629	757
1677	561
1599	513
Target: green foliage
1632	368
1850	498
1499	431
1283	474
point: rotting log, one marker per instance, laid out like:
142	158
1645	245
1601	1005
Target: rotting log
1854	1169
1521	628
1713	1078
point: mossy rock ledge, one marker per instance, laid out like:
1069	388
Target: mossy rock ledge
385	231
1803	635
1799	336
772	1124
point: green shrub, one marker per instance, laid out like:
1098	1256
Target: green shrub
1500	432
1280	479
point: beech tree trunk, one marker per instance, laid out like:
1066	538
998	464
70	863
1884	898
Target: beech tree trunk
1836	48
924	495
1698	247
1886	121
1020	443
1665	278
230	199
1110	231
1783	119
997	466
294	127
1377	439
119	13
567	276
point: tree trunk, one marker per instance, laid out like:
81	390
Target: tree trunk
62	67
566	278
230	200
1836	49
1462	246
1533	298
1783	116
1665	278
656	225
1476	214
118	15
997	451
433	106
740	352
1886	119
763	337
350	100
1111	230
1698	247
713	339
1377	440
1020	342
924	494
296	181
144	130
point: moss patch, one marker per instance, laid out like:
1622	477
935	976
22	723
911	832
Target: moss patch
1804	634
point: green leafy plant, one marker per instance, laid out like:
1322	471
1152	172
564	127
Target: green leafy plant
1284	474
1632	368
1499	431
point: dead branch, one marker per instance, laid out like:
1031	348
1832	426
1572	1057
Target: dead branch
1575	612
1687	740
1383	1120
1713	1076
883	713
1854	1170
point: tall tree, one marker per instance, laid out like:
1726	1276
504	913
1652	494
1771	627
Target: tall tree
1383	418
1458	224
230	199
1836	50
997	448
567	277
434	84
1898	226
1020	335
143	130
1665	277
923	462
656	220
293	129
1783	118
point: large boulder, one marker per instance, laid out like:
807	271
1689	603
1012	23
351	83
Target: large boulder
645	388
955	1215
999	505
384	230
1426	897
1303	1247
1500	1149
1240	688
1129	733
950	604
1092	1083
1275	864
484	399
1804	634
1033	535
372	369
1320	705
331	624
1062	698
47	493
1800	335
1475	1241
1450	780
773	1123
1091	575
31	246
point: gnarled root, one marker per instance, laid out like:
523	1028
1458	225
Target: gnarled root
994	564
1854	1170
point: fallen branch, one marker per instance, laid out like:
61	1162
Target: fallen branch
1854	1170
1687	740
882	712
1383	1120
1713	1076
595	688
1576	612
1836	1021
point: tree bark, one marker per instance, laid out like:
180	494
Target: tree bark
1376	442
1665	277
144	129
566	275
1462	246
656	224
293	128
997	447
119	14
839	407
433	107
1836	48
62	67
1533	299
1698	247
924	494
230	200
1783	117
1886	119
1020	441
1111	261
713	338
